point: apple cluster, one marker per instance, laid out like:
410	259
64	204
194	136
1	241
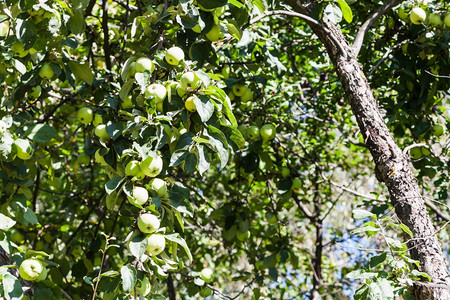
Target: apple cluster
417	15
149	225
267	132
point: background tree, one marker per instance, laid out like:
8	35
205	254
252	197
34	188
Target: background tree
190	148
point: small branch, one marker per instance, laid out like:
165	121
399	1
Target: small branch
65	295
170	288
106	47
369	22
385	56
437	211
438	76
306	18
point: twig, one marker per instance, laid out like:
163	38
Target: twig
369	22
106	48
385	56
438	76
306	18
437	211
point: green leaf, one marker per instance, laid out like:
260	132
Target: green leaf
273	273
362	292
359	214
203	159
138	245
41	133
377	259
113	184
210	4
236	3
19	66
360	275
76	22
205	108
406	230
419	274
26	32
346	11
82	71
12	289
129	278
114	130
395	244
36	254
333	13
175	237
6	222
365	229
260	5
111	200
381	290
234	29
178	196
219	144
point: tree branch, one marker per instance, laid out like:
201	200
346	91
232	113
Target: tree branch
357	43
106	47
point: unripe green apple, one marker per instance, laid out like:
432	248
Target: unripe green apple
207	275
43	274
131	70
144	64
438	130
435	20
447	20
296	184
214	33
417	15
140	196
148	223
98	119
23	149
101	132
46	71
132	168
31	269
189	81
174	55
156	90
239	90
253	132
268	132
415	153
83	159
152	166
285	172
226	70
156	244
85	115
35	92
159	186
248	95
180	91
190	104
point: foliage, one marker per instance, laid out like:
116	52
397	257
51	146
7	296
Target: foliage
230	200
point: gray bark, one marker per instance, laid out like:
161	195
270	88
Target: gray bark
391	164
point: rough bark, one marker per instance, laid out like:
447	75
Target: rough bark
391	164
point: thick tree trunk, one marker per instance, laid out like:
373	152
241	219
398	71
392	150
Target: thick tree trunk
391	165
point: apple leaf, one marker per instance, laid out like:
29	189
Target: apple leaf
113	184
138	245
359	214
204	161
6	222
236	3
205	108
41	133
175	237
12	289
377	259
76	22
19	66
114	130
82	71
210	4
333	13
128	277
273	273
346	11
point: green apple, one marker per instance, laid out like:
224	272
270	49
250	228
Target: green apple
140	196
127	102
158	91
226	70
268	132
174	55
180	91
207	275
101	132
144	64
159	186
296	184
43	274
415	153
31	269
46	71
285	172
85	115
248	95
156	244
17	47
98	119
17	237
132	168
190	104
35	92
197	28
239	90
189	81
214	33
131	70
447	20
435	20
417	15
205	291
148	223
438	130
99	159
83	159
152	165
253	132
23	148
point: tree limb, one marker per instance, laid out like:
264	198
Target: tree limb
357	43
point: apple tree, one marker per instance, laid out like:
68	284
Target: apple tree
154	149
